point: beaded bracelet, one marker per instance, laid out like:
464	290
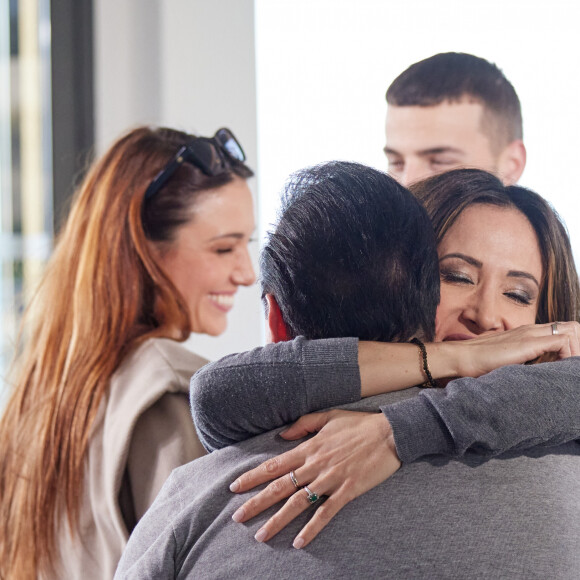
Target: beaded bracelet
430	381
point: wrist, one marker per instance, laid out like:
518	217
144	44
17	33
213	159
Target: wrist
446	359
383	430
462	357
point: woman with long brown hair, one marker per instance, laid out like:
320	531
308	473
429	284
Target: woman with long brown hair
154	249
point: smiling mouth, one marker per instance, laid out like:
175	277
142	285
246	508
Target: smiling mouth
222	301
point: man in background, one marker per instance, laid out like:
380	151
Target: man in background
453	110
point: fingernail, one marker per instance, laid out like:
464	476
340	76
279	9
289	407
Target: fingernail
298	543
239	515
235	486
261	535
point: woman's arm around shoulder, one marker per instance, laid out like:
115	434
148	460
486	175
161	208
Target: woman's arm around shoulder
249	393
245	394
512	408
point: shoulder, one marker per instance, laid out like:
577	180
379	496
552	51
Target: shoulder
157	366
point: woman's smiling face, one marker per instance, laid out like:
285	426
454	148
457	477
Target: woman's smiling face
209	258
491	271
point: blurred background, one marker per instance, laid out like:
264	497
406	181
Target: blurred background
298	81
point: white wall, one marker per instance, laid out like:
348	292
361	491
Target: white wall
323	67
189	64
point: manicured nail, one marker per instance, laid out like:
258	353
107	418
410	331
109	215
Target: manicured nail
239	515
261	535
298	543
235	486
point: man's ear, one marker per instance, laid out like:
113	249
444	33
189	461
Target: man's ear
276	325
512	161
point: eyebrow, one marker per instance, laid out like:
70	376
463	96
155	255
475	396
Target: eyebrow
477	264
237	236
425	152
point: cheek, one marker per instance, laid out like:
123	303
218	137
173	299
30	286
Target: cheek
445	305
526	317
448	310
189	277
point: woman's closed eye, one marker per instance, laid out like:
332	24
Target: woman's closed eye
455	277
237	244
520	296
222	251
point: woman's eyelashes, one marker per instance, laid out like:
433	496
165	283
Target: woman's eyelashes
229	248
519	295
455	276
224	250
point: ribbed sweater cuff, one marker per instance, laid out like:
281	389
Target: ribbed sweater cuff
417	429
334	364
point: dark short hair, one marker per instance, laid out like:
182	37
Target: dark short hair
453	76
447	195
353	254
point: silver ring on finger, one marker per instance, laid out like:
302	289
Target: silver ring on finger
294	480
310	495
554	328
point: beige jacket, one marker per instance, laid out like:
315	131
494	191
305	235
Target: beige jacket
142	432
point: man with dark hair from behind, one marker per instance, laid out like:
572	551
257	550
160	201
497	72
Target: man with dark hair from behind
353	255
453	110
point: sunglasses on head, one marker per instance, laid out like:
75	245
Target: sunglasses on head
207	153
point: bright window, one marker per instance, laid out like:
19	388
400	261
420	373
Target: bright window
25	158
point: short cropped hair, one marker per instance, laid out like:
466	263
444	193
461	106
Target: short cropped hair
455	76
353	254
447	195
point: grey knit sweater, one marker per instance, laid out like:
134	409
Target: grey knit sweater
513	408
513	516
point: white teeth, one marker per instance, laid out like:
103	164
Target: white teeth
223	299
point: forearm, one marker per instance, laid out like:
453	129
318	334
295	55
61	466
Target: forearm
386	367
246	394
249	393
515	407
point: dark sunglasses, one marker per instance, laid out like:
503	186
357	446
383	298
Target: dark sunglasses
206	153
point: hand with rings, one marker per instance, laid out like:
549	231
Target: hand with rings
311	496
352	453
491	350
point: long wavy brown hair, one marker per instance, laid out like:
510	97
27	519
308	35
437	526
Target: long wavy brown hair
102	294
